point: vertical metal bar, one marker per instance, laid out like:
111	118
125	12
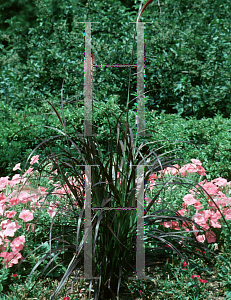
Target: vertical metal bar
88	82
140	80
140	254
87	226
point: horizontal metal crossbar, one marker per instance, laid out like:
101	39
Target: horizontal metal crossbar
116	208
88	278
117	65
135	278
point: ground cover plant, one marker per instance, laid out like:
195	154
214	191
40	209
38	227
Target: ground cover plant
195	264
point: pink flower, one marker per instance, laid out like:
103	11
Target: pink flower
66	298
199	218
189	200
17	167
201	238
152	178
29	171
175	225
167	224
197	205
201	184
227	214
52	211
34	159
215	224
6	255
2	200
184	264
196	162
1	238
4	224
191	168
10	257
42	189
184	225
17	243
11	214
152	185
184	205
147	199
2	197
215	246
26	215
206	213
3	182
182	212
220	181
2	209
13	201
15	179
171	170
24	197
222	202
195	229
15	275
11	228
177	166
215	216
183	171
201	171
172	225
210	236
210	188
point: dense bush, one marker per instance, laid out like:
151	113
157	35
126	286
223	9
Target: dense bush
212	136
187	50
23	131
54	50
187	56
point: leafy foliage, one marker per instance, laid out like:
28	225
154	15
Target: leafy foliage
187	54
22	132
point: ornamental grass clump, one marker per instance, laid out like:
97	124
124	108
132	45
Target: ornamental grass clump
116	183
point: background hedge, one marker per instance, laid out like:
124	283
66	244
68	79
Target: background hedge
187	59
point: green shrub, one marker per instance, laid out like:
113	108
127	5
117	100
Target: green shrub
187	55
